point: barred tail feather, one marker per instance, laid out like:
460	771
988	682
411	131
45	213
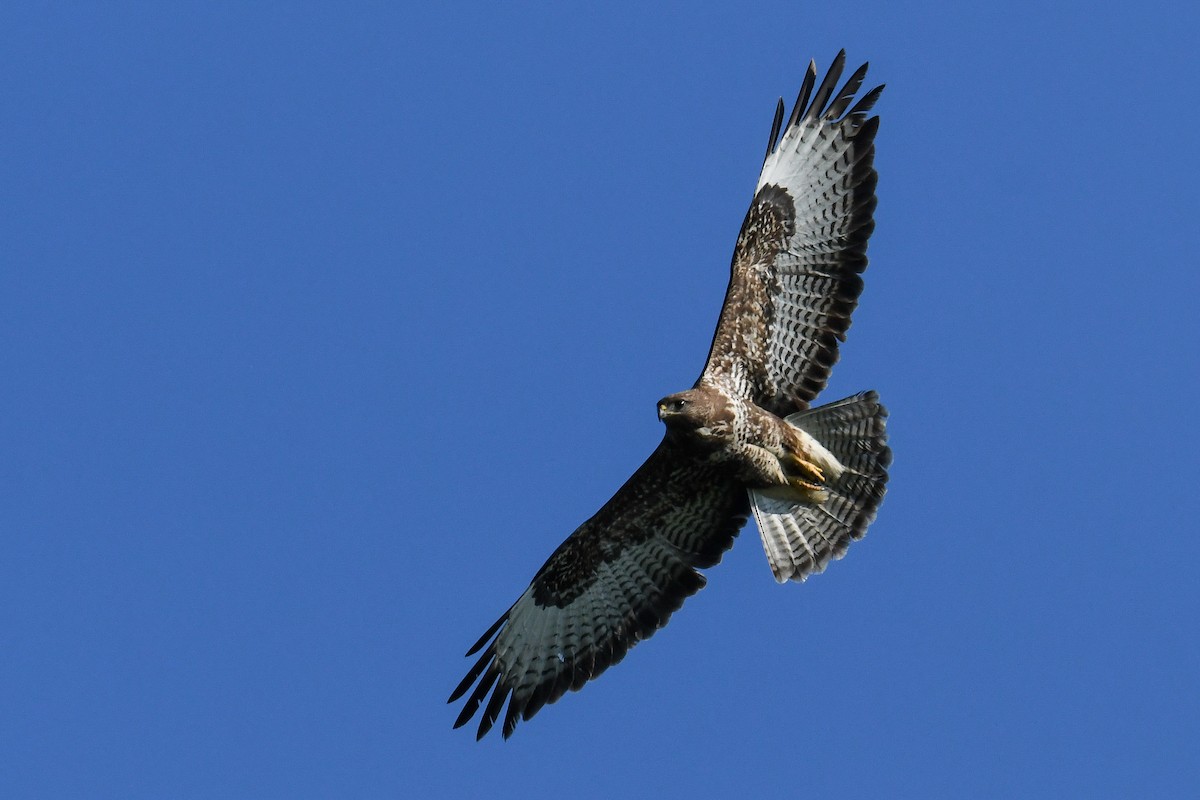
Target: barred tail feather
801	538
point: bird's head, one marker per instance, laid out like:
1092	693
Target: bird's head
696	411
676	408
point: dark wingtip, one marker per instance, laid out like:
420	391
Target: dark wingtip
806	87
827	86
472	705
849	89
488	635
510	725
472	674
867	133
492	711
776	125
867	102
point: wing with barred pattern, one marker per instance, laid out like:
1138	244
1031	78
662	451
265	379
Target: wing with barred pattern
613	582
795	278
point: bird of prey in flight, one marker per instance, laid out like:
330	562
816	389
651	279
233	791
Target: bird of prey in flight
742	440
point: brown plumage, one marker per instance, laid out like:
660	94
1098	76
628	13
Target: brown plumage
741	440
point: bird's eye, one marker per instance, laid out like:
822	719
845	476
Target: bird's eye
678	405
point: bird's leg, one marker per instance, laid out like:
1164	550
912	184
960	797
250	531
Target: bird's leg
806	477
804	486
802	473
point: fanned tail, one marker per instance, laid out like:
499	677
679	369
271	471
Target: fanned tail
801	538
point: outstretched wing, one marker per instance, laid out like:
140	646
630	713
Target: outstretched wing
613	582
796	267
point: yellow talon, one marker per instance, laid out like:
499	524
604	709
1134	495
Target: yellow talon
811	492
808	469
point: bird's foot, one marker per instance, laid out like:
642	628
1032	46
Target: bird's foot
805	472
814	493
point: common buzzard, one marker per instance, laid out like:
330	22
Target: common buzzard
742	439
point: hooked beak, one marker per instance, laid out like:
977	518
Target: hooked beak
668	408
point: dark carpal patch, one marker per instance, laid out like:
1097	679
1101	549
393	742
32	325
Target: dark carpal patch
673	495
772	217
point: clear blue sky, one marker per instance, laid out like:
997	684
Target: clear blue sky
323	326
